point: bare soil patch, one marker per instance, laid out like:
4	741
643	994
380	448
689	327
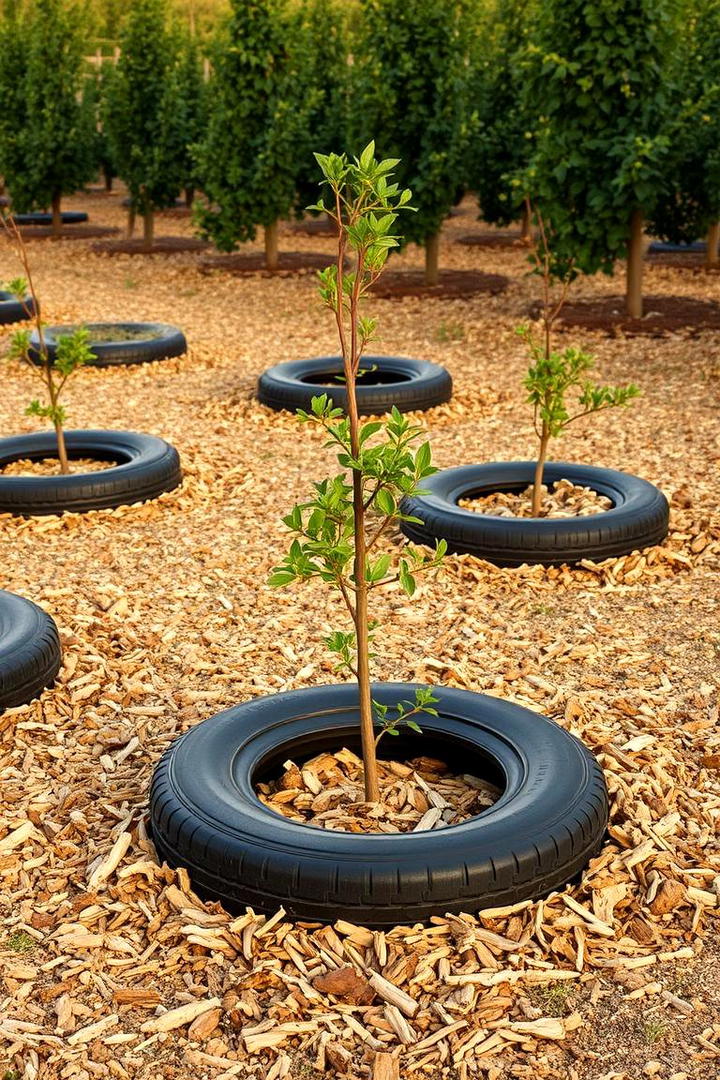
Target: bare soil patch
67	232
565	500
694	261
290	262
495	239
663	315
454	284
418	795
162	245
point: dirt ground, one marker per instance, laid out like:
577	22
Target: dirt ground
109	966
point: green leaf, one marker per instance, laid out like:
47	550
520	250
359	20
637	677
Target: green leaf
385	502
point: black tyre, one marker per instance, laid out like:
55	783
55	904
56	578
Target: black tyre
660	247
159	342
638	517
39	217
13	310
144	467
549	821
30	653
388	380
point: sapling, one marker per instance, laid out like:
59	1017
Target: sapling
71	352
553	374
340	529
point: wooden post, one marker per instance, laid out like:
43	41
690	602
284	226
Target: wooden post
633	291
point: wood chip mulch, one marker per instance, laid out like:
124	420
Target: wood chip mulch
497	239
453	284
51	467
162	245
565	500
415	796
109	965
694	261
289	262
663	315
67	232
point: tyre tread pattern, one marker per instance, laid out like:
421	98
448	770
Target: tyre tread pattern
32	663
428	385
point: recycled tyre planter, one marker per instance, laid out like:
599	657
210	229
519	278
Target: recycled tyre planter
401	381
638	517
40	217
170	342
13	310
549	821
659	247
30	653
145	468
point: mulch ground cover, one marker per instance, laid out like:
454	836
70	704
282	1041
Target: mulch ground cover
110	966
663	315
453	284
68	232
289	262
495	239
162	245
694	261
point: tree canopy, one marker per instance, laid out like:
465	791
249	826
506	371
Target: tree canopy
410	81
250	158
46	132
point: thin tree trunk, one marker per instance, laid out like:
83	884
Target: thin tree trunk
62	450
131	223
56	215
107	173
712	257
271	246
148	229
189	196
633	292
539	470
432	259
526	225
372	789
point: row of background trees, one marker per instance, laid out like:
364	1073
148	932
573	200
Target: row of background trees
604	115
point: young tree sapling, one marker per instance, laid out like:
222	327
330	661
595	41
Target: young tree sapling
339	530
72	350
553	374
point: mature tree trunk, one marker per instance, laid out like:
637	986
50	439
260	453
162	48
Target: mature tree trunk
712	257
148	229
432	259
107	173
131	222
271	246
56	215
633	291
526	225
189	196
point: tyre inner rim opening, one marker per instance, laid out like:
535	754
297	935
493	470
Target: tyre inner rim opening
460	758
483	490
110	333
375	377
78	453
